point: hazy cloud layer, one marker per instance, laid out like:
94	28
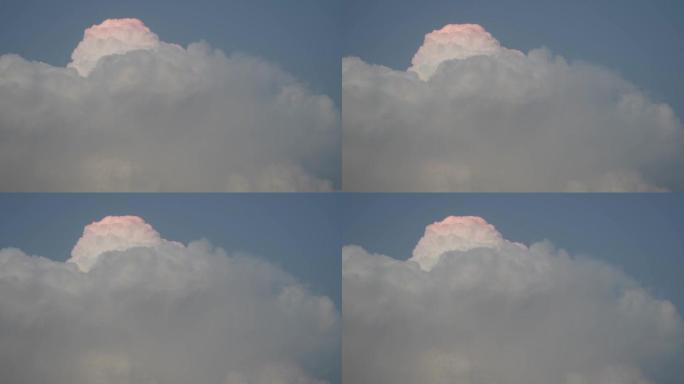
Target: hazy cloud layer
132	113
470	307
471	115
156	311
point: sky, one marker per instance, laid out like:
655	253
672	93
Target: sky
638	234
302	37
142	288
636	38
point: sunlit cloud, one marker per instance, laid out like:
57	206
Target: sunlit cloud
111	37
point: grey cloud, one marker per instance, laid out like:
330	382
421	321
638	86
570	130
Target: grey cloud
162	312
470	115
144	115
499	312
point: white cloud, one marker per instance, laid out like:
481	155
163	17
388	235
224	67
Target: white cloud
113	36
113	233
455	233
472	115
133	113
488	310
148	310
454	41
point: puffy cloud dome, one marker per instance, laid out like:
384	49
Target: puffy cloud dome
454	233
112	233
112	36
453	41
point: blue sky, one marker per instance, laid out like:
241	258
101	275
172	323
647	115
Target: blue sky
302	37
297	232
639	233
639	39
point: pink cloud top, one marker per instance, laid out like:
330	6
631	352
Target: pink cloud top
111	37
453	41
113	233
455	233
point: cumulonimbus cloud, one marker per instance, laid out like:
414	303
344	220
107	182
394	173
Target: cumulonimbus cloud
472	115
133	113
471	307
130	307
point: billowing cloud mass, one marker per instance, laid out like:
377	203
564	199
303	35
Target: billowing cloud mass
133	113
472	115
471	307
130	307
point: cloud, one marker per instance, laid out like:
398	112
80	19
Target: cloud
472	115
130	307
113	233
471	307
454	234
133	113
112	37
454	41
